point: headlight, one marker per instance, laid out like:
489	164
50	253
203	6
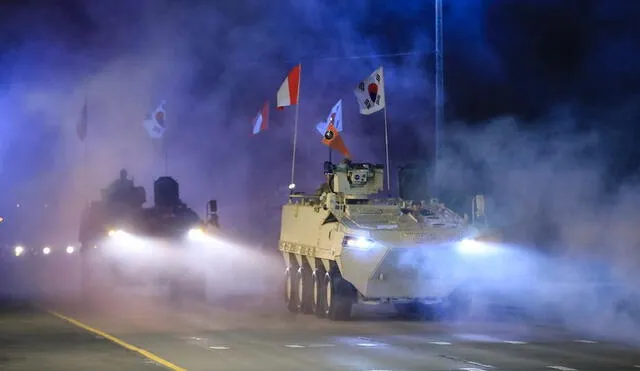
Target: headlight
360	243
471	246
46	250
18	250
117	233
70	249
196	234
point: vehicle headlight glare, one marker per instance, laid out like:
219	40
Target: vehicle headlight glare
46	250
18	250
471	246
360	243
196	234
116	233
70	249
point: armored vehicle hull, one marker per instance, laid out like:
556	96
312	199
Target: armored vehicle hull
343	246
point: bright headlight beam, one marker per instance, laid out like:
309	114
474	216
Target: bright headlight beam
70	249
18	250
361	243
118	233
46	250
470	246
196	234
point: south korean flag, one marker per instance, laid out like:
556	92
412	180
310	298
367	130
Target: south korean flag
370	93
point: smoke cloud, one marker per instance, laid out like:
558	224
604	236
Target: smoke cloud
216	63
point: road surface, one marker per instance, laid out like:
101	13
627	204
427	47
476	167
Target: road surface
140	331
31	339
262	336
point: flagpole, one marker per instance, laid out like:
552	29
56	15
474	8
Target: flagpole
85	171
439	109
295	134
166	156
85	153
386	148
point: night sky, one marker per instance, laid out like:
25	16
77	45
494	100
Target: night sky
541	65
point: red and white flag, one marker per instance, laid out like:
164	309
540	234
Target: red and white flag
370	93
261	121
288	93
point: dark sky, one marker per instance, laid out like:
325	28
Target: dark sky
544	64
502	56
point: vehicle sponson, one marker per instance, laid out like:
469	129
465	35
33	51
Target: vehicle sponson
396	266
381	248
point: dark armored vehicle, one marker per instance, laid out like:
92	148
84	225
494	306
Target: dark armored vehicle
123	243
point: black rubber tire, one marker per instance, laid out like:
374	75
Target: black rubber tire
290	292
319	294
458	305
338	301
304	282
418	311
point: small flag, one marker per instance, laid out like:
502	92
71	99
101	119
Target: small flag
261	122
155	122
370	93
290	88
333	139
335	118
83	122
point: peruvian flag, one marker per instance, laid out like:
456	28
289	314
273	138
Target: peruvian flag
290	88
261	121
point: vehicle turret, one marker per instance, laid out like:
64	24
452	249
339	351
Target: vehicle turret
355	180
166	192
123	191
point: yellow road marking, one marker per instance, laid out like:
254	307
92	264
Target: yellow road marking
122	343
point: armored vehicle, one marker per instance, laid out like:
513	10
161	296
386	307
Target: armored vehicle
124	243
346	244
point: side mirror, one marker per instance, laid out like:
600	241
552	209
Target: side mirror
212	207
212	212
479	205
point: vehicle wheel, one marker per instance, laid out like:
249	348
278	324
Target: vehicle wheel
290	294
458	305
94	281
201	288
178	290
86	276
418	311
318	294
304	302
337	303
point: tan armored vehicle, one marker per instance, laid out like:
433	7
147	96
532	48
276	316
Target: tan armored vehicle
346	245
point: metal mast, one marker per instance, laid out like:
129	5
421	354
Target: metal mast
439	104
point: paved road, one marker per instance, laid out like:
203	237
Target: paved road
31	339
261	335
